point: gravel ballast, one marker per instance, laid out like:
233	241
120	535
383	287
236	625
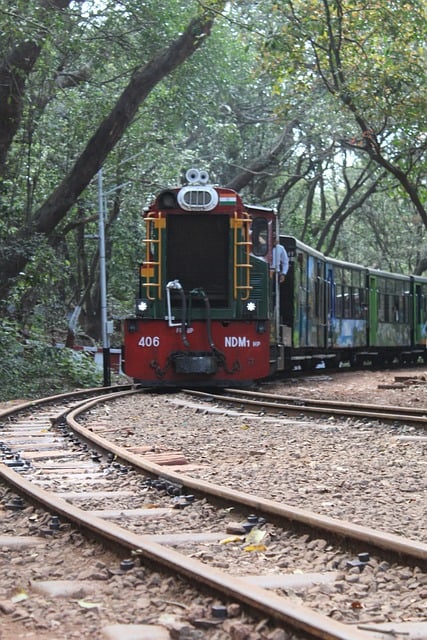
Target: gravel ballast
371	474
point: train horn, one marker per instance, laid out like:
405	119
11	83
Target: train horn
203	177
192	175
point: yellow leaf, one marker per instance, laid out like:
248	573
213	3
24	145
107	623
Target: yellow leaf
255	536
256	547
87	605
19	596
231	539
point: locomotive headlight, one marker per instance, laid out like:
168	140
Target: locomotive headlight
250	307
141	306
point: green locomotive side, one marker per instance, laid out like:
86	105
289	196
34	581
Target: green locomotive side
216	254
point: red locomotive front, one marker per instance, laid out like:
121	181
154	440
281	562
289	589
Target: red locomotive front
203	311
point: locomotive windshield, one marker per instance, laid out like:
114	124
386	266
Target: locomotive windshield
197	249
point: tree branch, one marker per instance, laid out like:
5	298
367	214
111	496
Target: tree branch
115	124
261	164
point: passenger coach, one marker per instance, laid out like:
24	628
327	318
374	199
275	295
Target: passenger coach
337	313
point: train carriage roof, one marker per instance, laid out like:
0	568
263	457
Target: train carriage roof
388	274
292	243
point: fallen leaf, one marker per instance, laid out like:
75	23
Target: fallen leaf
255	547
88	605
231	539
19	596
255	536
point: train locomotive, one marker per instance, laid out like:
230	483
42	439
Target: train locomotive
211	310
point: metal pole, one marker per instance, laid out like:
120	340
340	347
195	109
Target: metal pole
102	207
103	285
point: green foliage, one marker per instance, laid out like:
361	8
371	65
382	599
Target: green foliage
31	368
264	65
369	56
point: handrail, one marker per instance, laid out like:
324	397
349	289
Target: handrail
153	268
241	270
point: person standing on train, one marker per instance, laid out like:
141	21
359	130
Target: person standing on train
280	260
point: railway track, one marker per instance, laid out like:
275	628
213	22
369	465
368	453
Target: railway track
287	405
46	453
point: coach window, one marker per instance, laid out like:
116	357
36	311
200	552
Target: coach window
381	301
339	292
397	316
346	301
387	301
346	293
406	306
405	309
392	303
363	307
318	298
405	303
356	310
400	303
260	237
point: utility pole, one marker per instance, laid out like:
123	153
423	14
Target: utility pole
102	208
103	285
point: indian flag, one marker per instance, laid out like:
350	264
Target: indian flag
229	199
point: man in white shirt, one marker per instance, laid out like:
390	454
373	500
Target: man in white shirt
280	260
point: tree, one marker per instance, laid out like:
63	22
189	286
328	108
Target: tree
107	135
368	56
274	132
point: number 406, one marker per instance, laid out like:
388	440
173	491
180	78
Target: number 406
149	341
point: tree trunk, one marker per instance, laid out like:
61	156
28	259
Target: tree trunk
421	266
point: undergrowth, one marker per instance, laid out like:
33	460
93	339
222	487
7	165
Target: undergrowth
32	368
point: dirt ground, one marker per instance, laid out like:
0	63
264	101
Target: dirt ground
399	387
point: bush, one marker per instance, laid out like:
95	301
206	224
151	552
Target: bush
31	368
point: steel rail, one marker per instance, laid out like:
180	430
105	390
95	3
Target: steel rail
375	540
302	402
321	408
29	404
278	608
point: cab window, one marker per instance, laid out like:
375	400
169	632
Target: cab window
260	237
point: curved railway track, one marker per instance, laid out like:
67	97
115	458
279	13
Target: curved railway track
288	405
39	449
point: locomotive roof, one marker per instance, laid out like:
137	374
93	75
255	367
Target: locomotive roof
255	208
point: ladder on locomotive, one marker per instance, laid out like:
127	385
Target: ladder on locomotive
151	268
241	270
